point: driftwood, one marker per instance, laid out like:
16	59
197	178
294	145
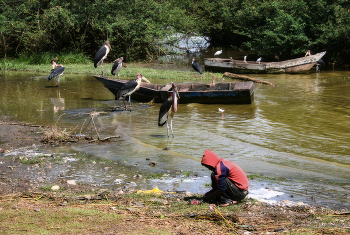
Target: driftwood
246	78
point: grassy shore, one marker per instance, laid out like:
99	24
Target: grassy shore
87	210
149	70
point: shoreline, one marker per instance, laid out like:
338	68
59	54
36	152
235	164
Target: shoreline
21	191
25	142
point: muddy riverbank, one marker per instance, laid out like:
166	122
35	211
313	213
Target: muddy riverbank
26	195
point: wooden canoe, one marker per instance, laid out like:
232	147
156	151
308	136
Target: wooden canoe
239	66
218	93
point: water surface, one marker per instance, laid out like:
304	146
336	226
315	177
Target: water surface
298	130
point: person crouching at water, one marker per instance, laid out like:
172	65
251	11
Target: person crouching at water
229	182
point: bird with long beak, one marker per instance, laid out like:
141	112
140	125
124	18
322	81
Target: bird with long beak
117	66
101	54
168	109
56	72
196	66
130	87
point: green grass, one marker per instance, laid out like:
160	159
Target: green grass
262	177
62	221
187	174
155	176
22	216
78	64
207	185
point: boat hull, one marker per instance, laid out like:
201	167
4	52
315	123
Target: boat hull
219	93
238	66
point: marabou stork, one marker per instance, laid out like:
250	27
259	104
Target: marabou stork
168	109
258	60
56	72
196	66
218	52
117	66
130	87
101	54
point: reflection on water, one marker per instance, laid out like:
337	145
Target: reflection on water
298	130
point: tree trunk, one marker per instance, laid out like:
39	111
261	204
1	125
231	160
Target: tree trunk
246	78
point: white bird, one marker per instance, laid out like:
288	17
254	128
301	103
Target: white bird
258	60
245	59
222	112
218	52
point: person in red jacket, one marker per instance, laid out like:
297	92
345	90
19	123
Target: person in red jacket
229	182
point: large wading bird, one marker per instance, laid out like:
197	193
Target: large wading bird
196	66
168	109
130	87
117	66
101	54
56	72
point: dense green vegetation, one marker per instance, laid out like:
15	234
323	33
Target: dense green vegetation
138	29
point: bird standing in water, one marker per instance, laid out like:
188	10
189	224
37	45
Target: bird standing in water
196	66
168	109
56	72
222	112
101	54
130	87
117	66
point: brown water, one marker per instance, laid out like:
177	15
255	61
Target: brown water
298	130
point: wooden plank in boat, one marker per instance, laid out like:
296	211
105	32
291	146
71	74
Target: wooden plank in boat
243	85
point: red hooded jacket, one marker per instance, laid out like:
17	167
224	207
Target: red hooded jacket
225	169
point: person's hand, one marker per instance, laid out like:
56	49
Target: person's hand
205	198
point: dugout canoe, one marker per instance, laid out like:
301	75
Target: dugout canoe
297	65
218	93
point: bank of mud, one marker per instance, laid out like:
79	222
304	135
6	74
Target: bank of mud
26	191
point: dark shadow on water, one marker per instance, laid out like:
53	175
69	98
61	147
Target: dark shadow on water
158	136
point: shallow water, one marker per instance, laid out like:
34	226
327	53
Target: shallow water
298	130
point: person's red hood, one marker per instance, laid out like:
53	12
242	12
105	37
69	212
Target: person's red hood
210	158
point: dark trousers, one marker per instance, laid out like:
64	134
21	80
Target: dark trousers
232	193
